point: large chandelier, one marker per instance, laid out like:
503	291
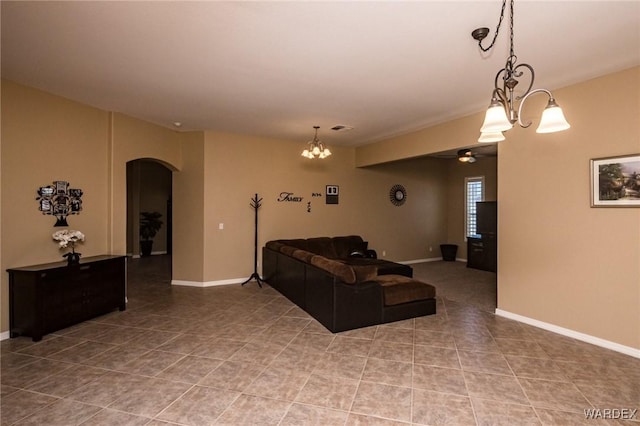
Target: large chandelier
316	148
501	114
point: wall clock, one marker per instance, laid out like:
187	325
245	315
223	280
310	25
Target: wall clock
398	195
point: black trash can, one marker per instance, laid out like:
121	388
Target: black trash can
449	252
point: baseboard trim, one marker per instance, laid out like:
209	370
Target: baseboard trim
627	350
208	283
428	259
4	335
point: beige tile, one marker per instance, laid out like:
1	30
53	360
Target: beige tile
391	350
10	361
218	348
554	395
360	333
107	388
319	342
436	356
62	412
291	323
388	372
278	383
484	362
33	372
50	345
117	357
300	414
434	338
521	347
254	410
232	375
394	334
258	352
496	413
355	419
535	368
300	359
435	408
82	352
439	379
199	406
328	391
151	339
190	369
110	417
21	404
339	365
350	346
151	363
389	402
68	381
149	397
276	336
183	343
495	387
119	335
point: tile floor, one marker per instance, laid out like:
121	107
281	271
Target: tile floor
237	355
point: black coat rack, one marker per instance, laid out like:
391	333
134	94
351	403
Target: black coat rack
255	203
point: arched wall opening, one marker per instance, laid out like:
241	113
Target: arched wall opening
149	190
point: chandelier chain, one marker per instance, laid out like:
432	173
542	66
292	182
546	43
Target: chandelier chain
495	36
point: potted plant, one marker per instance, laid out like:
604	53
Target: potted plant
150	224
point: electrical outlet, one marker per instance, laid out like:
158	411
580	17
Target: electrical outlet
384	253
221	226
430	248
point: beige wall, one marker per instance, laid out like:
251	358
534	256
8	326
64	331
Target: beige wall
237	167
47	138
560	261
133	139
188	211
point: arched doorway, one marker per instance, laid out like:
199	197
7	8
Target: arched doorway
149	190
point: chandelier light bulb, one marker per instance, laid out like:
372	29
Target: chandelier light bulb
491	137
552	119
496	120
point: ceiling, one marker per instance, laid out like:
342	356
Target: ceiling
276	69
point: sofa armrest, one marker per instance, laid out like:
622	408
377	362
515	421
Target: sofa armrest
340	306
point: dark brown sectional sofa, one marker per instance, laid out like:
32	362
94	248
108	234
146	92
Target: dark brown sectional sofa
342	284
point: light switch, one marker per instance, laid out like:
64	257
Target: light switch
221	226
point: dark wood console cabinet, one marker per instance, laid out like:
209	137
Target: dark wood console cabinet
48	297
482	253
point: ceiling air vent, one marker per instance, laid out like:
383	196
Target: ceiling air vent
341	128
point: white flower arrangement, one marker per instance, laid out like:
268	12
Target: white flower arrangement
68	236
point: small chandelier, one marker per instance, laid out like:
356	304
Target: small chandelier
502	115
316	148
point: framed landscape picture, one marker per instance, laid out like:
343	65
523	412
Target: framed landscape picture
615	181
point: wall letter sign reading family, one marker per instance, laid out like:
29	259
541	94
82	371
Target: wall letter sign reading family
288	196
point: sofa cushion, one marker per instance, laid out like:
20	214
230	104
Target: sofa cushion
297	243
274	245
399	289
303	255
343	272
365	272
345	246
288	250
322	246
